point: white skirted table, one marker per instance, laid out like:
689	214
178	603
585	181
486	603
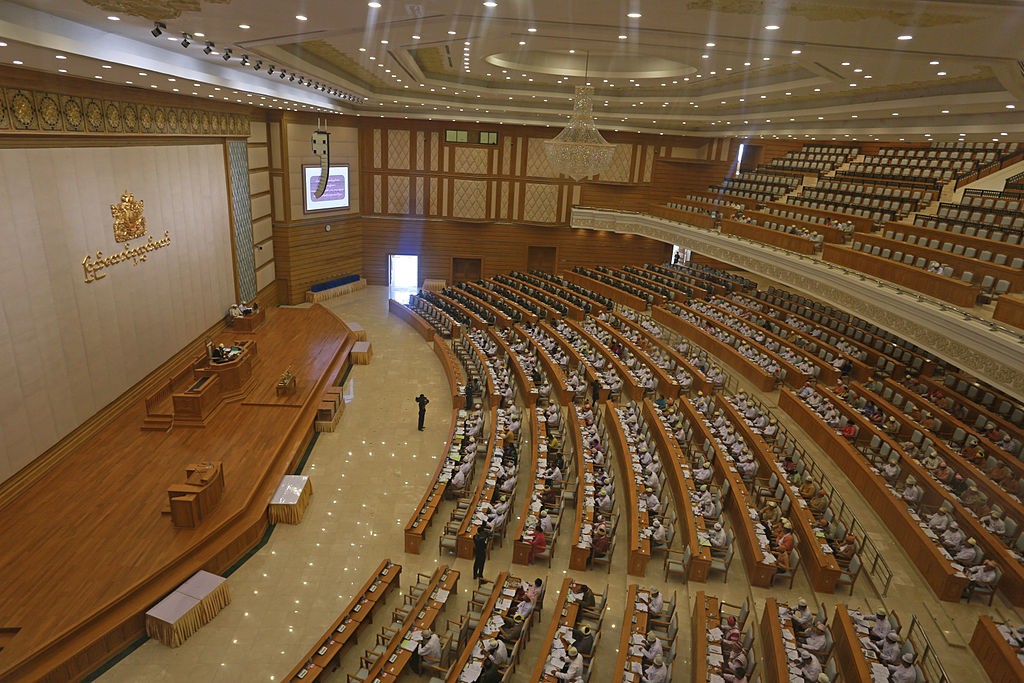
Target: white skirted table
290	500
193	604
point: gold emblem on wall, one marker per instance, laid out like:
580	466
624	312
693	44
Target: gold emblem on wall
129	224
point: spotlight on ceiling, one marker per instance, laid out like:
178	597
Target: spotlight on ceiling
270	70
258	65
209	48
282	74
292	78
227	55
300	80
245	60
158	29
186	40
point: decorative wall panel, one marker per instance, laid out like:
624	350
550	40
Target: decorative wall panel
469	199
238	168
398	149
471	160
41	111
540	204
398	195
101	337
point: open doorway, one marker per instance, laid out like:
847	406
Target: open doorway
403	276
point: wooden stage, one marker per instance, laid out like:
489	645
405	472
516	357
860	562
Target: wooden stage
86	548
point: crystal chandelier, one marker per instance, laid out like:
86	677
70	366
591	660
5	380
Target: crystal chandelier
579	151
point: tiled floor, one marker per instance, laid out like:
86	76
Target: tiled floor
367	478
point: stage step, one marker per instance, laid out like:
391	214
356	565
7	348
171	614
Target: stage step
157	423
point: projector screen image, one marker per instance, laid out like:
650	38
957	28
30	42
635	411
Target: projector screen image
336	195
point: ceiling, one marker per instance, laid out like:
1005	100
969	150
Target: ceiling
828	69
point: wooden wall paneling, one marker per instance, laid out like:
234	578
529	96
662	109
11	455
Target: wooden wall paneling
308	254
502	247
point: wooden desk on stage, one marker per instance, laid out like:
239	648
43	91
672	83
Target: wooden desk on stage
290	500
249	323
235	373
202	490
995	654
175	618
345	629
850	659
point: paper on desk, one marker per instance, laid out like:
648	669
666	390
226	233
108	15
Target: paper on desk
408	645
714	633
715	660
441	595
471	672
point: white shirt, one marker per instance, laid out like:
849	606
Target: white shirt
431	647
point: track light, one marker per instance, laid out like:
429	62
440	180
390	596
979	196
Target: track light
282	74
292	78
186	40
300	80
209	48
245	60
227	55
258	65
270	70
158	29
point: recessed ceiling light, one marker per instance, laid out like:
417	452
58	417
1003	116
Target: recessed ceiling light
199	35
620	38
18	62
301	17
99	77
709	44
113	18
362	49
945	111
384	42
374	5
1011	106
905	36
795	52
771	27
451	33
415	37
844	64
857	71
934	62
64	71
532	29
490	3
107	66
244	26
523	42
940	73
634	15
60	57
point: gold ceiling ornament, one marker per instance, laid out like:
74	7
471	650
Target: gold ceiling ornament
827	10
580	151
153	10
129	223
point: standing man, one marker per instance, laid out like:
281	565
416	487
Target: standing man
480	552
422	401
469	394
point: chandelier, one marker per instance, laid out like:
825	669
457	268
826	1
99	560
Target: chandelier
579	151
